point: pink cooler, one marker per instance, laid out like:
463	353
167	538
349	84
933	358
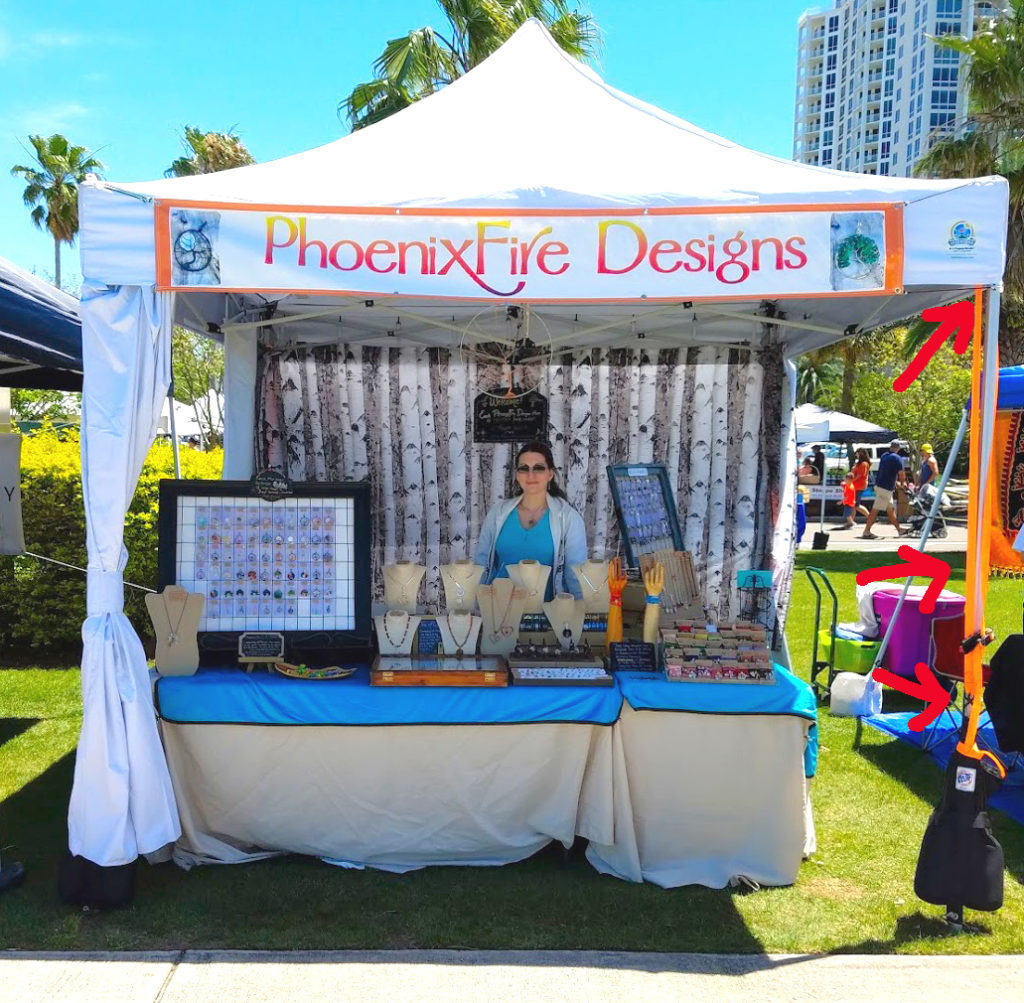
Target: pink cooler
911	640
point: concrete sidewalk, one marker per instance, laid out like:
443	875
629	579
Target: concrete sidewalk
500	976
851	539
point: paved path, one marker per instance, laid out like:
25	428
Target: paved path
500	976
850	539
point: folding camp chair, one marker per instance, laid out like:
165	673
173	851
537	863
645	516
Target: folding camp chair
947	661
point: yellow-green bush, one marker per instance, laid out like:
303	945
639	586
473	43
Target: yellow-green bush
42	605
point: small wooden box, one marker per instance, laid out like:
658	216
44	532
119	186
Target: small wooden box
401	670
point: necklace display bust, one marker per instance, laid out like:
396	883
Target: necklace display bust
459	633
402	585
175	614
532	576
460	580
501	608
566	615
593	579
396	630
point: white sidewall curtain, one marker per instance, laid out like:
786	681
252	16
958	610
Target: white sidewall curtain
122	802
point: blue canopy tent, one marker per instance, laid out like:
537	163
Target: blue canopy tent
40	333
1010	394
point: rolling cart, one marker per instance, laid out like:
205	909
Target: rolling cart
818	578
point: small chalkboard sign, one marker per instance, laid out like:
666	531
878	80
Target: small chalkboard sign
632	656
260	646
497	418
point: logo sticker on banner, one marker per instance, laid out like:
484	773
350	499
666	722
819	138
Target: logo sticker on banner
748	252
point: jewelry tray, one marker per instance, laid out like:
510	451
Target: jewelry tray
443	670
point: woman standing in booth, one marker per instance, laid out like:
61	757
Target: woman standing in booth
536	523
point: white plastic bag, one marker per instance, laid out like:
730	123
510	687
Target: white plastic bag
854	695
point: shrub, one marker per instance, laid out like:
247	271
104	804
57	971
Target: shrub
42	605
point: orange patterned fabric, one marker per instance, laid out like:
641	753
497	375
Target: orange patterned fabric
1006	492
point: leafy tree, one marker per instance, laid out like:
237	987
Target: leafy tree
197	366
991	141
51	188
929	410
425	60
816	376
209	152
42	405
829	372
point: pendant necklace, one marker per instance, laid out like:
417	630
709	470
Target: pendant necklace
590	584
172	636
501	629
532	520
460	645
460	584
400	643
404	585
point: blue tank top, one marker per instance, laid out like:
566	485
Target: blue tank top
515	543
926	474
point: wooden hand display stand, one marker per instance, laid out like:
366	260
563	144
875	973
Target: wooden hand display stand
460	633
460	580
593	579
501	607
402	585
532	578
566	615
616	584
396	630
654	582
176	613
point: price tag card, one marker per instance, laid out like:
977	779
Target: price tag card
633	656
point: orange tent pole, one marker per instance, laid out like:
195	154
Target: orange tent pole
984	358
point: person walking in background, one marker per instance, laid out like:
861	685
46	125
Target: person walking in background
929	466
849	502
890	472
861	472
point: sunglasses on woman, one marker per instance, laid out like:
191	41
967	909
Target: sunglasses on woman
537	468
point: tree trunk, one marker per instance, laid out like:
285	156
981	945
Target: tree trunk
849	372
56	261
1011	340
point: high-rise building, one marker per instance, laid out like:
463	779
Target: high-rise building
873	90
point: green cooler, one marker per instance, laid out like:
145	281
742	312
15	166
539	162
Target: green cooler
853	653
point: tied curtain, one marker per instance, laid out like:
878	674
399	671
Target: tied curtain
718	417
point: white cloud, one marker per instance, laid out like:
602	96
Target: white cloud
49	119
56	40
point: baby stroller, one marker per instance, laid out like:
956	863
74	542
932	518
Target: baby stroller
920	505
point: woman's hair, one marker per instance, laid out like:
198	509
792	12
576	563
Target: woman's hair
862	456
545	450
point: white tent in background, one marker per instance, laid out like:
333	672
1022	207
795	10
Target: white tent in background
841	427
528	181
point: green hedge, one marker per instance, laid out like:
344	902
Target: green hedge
42	605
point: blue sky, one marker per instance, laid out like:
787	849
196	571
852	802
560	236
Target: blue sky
123	78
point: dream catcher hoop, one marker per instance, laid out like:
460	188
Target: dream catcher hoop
514	338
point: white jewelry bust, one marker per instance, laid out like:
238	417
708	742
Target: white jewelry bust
593	579
501	608
566	614
460	580
533	577
460	633
402	585
396	630
176	613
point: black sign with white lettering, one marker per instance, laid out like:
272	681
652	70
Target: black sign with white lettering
497	418
632	656
261	646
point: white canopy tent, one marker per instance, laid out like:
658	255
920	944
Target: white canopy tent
528	181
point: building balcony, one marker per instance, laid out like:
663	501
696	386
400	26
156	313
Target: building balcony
872	116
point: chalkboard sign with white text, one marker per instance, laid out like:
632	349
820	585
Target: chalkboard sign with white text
497	418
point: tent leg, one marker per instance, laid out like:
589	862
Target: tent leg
174	432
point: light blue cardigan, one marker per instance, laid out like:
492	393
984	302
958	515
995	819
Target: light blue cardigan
568	534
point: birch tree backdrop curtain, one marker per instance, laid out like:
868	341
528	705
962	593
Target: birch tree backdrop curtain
402	417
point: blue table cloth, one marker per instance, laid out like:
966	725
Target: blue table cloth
230	696
787	696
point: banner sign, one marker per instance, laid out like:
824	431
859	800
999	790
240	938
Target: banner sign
467	254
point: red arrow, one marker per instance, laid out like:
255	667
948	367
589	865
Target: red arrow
927	688
918	565
958	317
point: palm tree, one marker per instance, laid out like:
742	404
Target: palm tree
209	152
52	188
991	142
425	60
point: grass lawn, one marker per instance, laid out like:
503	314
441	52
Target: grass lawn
872	798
